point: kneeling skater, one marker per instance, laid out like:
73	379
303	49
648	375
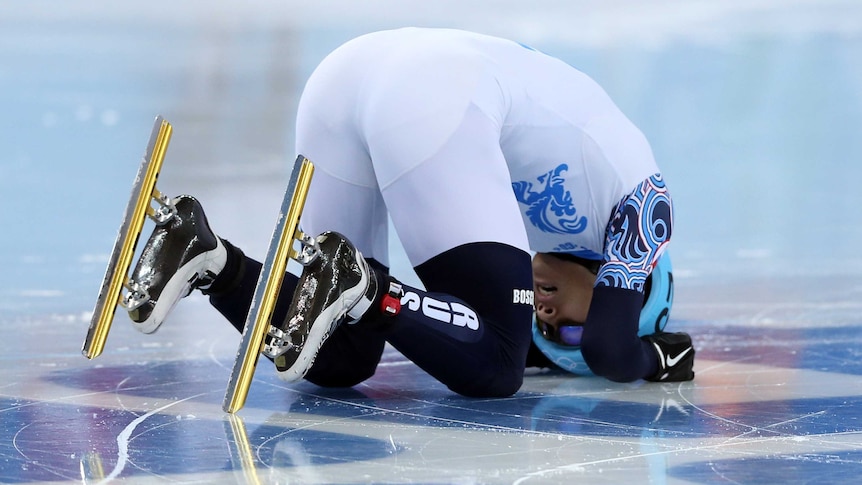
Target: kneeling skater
482	152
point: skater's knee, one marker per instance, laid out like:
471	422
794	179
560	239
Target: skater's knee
348	358
330	376
489	384
336	380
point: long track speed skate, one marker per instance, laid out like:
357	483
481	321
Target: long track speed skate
287	242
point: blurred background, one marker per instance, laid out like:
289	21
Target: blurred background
753	109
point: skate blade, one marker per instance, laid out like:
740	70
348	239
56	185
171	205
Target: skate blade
138	209
281	247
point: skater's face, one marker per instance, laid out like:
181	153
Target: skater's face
563	290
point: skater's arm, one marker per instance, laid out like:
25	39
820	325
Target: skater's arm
637	235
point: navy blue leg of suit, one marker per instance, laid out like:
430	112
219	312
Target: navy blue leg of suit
481	357
469	330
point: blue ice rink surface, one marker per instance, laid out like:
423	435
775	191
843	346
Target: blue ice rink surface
754	110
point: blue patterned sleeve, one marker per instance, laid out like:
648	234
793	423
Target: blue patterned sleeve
638	233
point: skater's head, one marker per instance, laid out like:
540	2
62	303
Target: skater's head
563	287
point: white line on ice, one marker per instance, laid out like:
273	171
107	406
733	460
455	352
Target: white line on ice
124	437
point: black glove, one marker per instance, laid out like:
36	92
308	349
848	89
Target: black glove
675	356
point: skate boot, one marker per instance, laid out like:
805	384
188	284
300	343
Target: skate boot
675	356
335	285
182	254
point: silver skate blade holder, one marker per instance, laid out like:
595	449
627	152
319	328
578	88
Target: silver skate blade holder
281	247
144	193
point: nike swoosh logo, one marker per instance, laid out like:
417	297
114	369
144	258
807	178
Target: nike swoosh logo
672	361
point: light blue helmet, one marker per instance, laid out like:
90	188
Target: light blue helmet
654	315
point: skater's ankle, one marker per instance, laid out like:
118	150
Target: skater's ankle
231	276
379	310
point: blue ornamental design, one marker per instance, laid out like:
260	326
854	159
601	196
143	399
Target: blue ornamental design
549	204
639	230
